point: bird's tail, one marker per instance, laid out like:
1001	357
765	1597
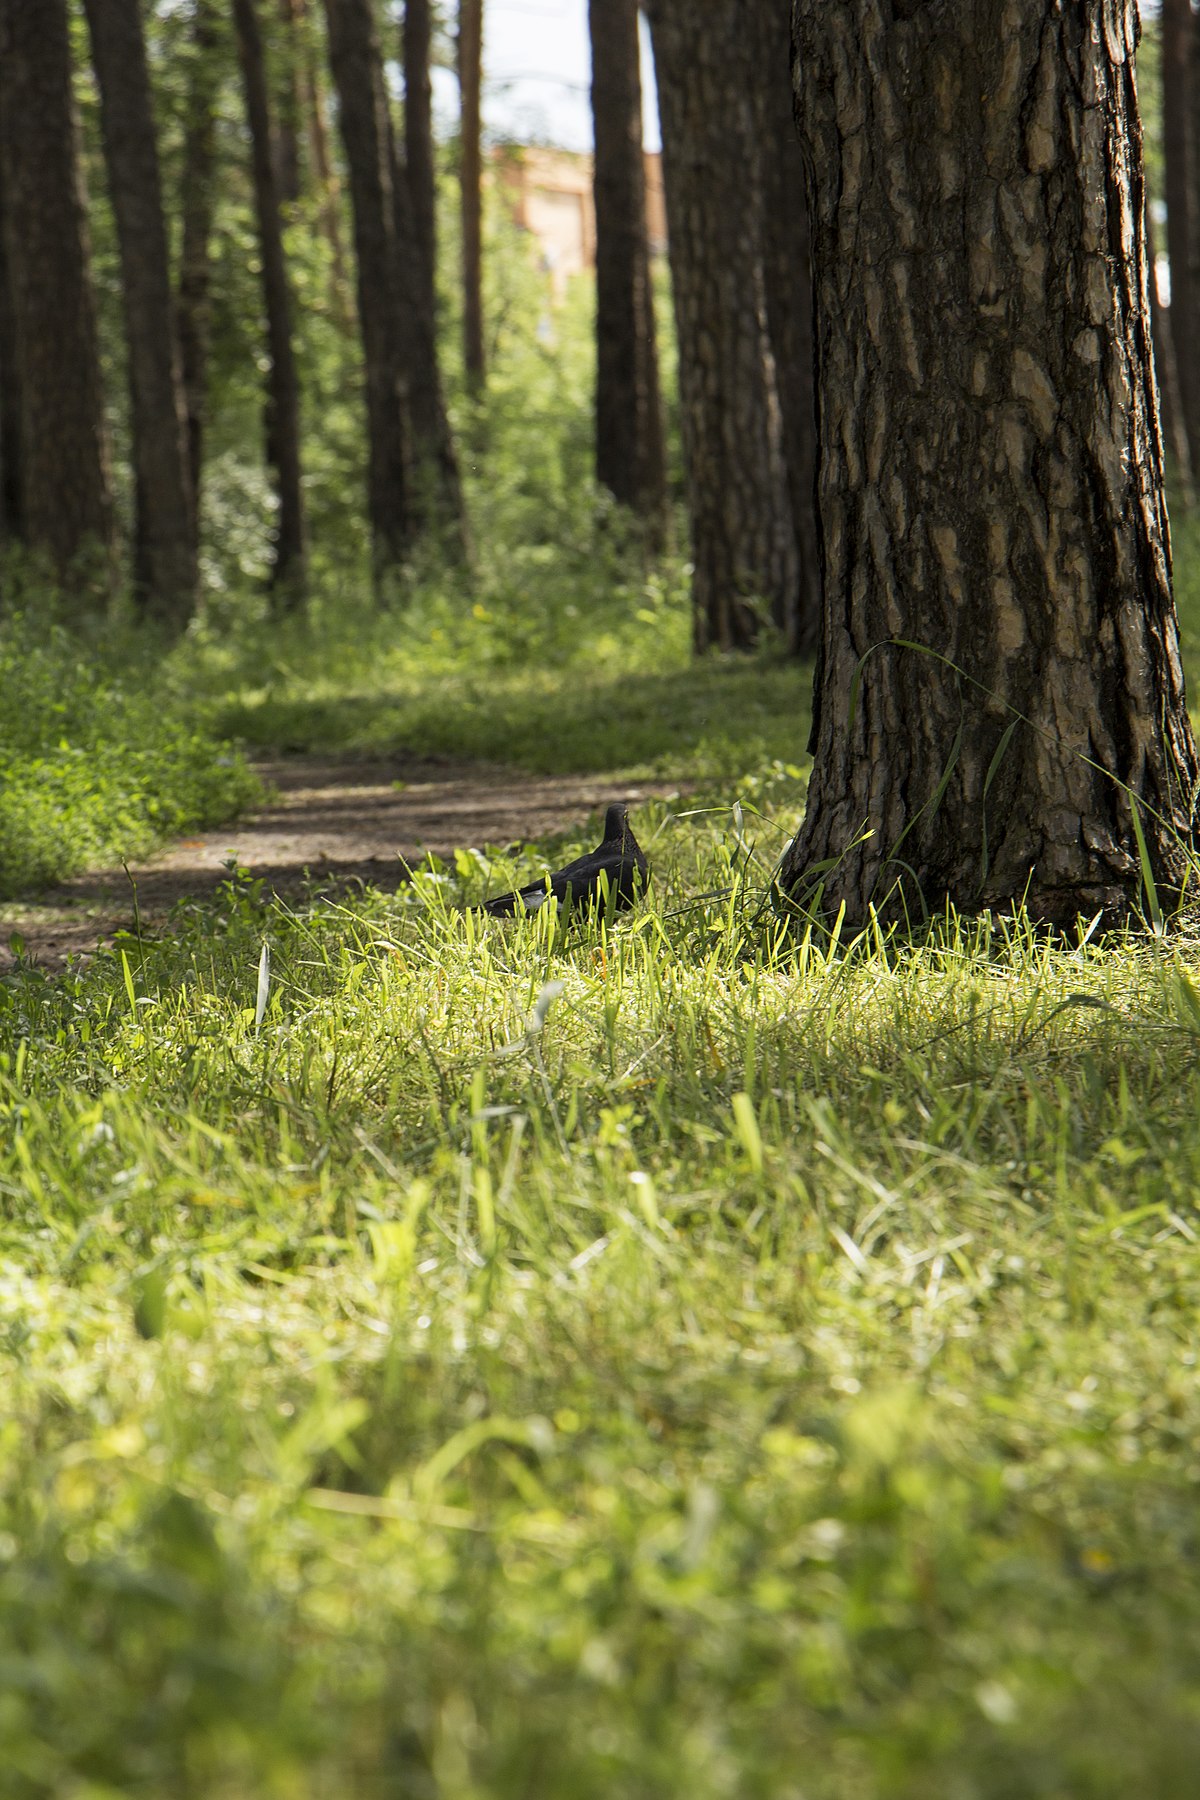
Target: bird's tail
501	906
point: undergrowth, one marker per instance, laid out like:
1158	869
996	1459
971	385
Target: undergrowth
102	754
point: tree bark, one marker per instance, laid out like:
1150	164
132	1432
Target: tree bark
283	385
11	505
629	437
64	452
470	80
164	538
329	212
1170	405
1179	153
743	537
418	142
357	73
436	496
192	300
787	275
285	123
990	481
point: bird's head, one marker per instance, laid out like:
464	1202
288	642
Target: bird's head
616	823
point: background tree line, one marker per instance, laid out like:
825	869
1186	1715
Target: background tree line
290	105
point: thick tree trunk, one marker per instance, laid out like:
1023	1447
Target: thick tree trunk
164	538
629	437
990	479
788	277
418	142
192	302
64	454
357	73
743	539
1179	153
283	385
470	80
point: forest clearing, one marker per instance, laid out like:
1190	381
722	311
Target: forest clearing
738	1345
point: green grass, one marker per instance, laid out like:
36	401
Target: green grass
774	1376
102	751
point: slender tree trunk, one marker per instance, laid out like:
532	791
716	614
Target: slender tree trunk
743	537
66	507
11	506
192	301
357	73
1179	151
437	495
1170	405
283	385
629	437
436	499
418	143
990	468
788	278
164	538
286	115
470	81
329	211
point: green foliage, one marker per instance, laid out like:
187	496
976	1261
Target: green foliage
101	753
757	1357
562	646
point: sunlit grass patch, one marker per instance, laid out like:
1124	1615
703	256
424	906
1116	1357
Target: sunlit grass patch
749	1354
102	753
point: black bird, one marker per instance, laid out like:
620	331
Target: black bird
615	872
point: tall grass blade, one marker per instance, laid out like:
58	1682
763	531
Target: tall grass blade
264	986
1152	906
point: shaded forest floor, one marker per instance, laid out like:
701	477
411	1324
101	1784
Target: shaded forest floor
327	827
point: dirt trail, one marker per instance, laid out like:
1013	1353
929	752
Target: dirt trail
329	822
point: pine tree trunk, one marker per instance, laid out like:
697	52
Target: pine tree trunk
1170	404
418	142
788	278
285	120
357	73
192	301
1179	154
990	483
436	497
629	436
11	506
743	538
64	453
470	78
283	385
164	539
329	212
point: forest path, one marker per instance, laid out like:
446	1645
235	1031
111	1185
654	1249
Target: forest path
327	823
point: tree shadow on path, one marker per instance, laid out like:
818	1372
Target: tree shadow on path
328	824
